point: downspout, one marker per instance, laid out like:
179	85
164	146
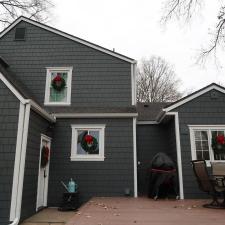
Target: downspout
21	165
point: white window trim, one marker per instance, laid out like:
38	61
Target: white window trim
207	128
100	157
48	83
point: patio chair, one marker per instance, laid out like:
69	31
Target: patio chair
209	184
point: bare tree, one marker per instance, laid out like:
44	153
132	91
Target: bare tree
156	81
186	9
36	9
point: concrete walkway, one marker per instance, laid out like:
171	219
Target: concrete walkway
49	216
143	211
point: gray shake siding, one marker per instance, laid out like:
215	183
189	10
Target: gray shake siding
200	111
98	79
152	139
101	178
9	112
37	126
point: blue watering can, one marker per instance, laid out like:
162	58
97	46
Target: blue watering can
71	187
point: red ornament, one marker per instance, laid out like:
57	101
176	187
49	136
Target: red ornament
57	78
89	139
220	139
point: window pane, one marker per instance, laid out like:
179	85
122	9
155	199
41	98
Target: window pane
198	145
58	96
81	134
204	135
206	155
202	145
197	135
199	154
85	147
205	145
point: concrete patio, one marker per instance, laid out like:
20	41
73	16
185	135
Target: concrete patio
126	211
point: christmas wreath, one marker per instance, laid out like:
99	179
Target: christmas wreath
89	144
58	82
218	144
44	156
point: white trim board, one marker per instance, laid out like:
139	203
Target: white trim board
178	147
195	95
147	122
135	157
95	115
71	37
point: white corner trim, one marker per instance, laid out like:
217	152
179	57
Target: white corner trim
11	88
178	147
49	70
133	84
135	158
98	127
20	165
17	163
95	115
71	37
147	122
191	97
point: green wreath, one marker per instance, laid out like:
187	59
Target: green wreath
58	83
44	156
92	149
218	144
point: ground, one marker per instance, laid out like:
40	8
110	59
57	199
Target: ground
141	211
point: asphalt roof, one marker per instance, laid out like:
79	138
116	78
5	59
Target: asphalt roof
150	111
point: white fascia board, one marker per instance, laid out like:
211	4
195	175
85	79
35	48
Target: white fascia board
53	30
191	97
95	115
147	122
133	83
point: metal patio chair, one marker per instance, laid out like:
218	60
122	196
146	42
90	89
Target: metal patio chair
209	184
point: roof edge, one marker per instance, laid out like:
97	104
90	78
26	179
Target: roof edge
66	35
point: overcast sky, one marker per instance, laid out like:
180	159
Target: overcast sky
133	28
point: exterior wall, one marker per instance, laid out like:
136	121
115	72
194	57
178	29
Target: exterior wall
9	113
200	111
98	79
151	139
37	126
99	178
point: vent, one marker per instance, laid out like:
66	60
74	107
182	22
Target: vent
214	95
20	34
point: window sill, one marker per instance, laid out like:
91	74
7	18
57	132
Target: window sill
57	104
74	158
208	162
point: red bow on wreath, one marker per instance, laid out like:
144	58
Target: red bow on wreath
58	82
220	139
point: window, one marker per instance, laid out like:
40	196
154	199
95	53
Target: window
201	142
87	142
20	34
62	96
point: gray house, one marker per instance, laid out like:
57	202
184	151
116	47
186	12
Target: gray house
68	109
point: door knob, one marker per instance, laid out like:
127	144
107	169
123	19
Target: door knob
139	163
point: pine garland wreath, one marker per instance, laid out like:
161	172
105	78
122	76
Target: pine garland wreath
218	144
44	156
89	144
58	83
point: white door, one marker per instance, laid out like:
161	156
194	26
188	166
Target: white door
42	191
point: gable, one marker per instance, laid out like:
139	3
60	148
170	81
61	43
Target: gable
212	87
67	36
